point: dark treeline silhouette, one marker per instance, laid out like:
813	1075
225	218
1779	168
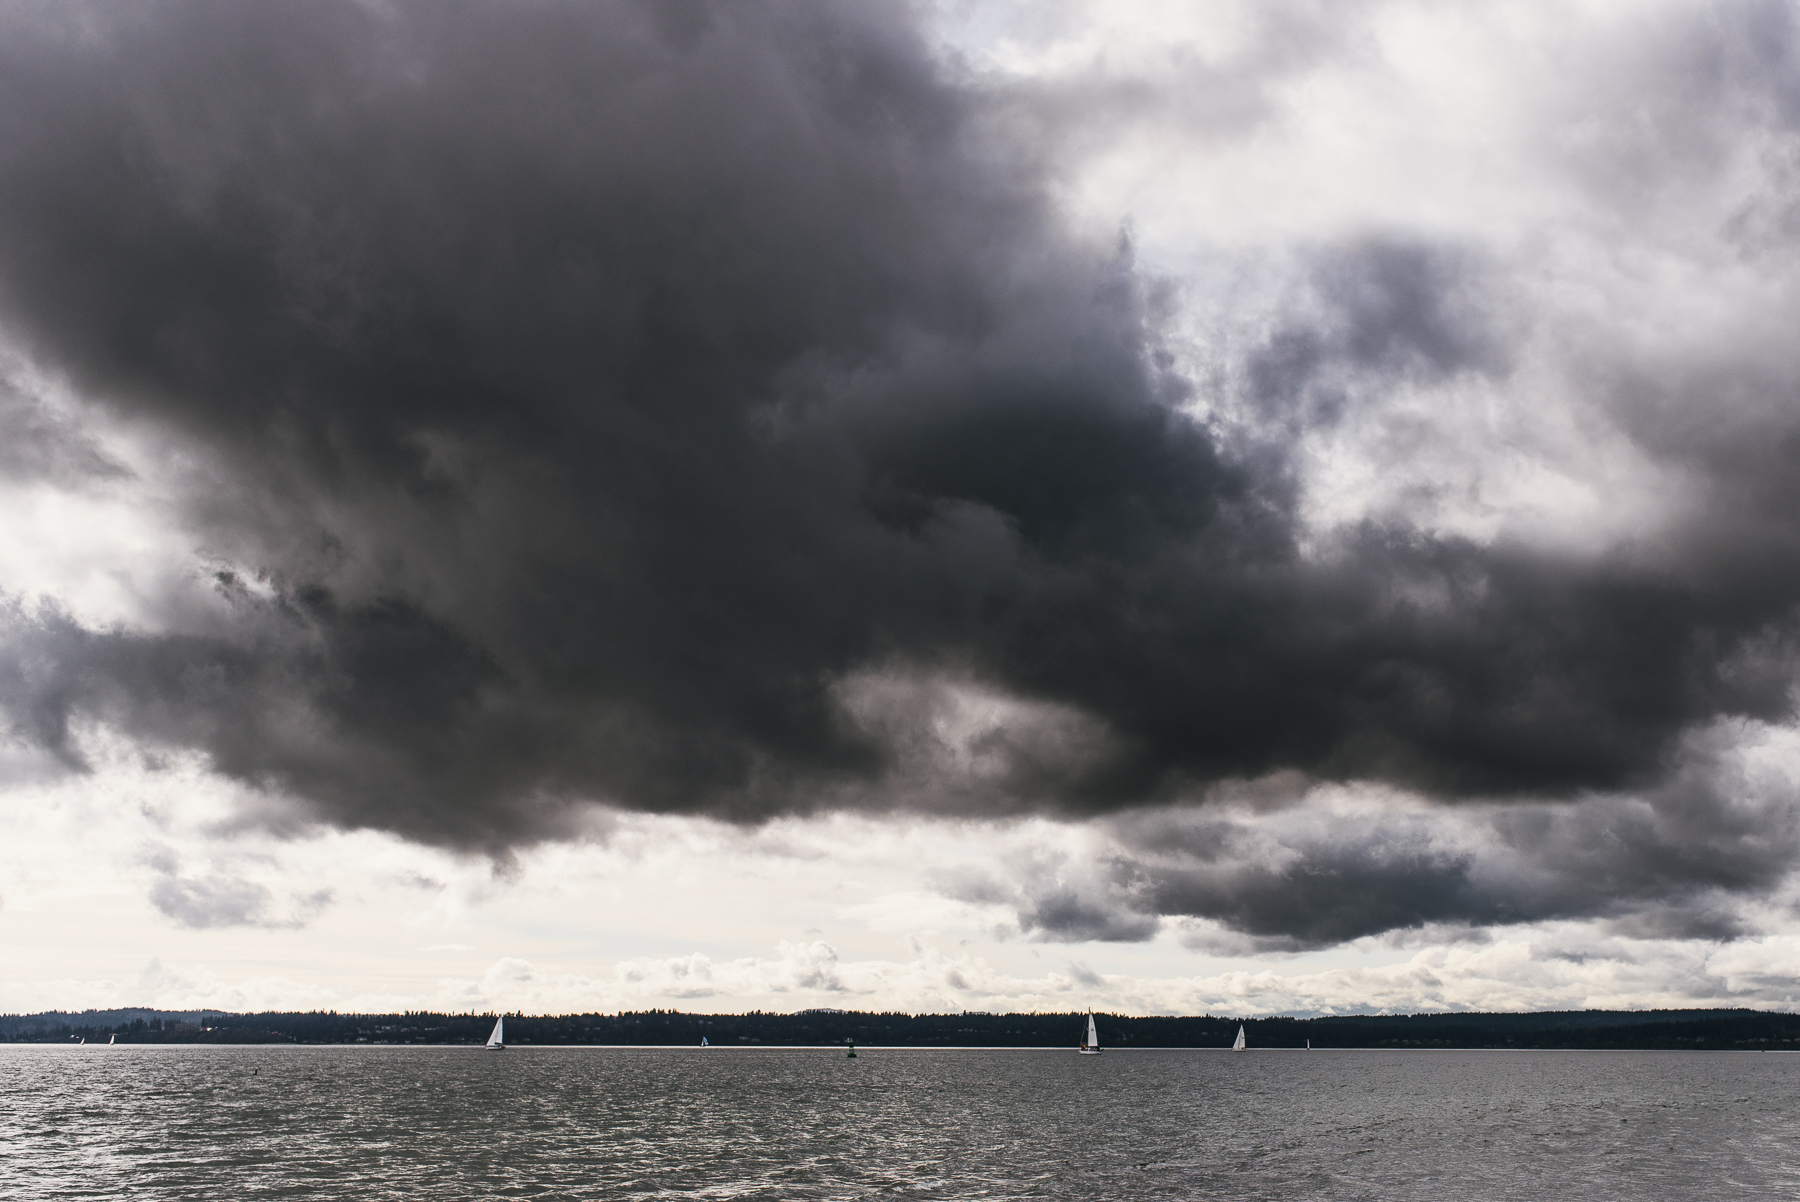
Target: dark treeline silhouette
1704	1029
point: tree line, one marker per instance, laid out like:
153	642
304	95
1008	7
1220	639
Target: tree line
1703	1029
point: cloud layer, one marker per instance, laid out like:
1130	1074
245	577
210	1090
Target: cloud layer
712	409
1554	970
1257	872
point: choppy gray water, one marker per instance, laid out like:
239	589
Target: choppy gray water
453	1123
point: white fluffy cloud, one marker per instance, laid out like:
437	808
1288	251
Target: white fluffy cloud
1561	968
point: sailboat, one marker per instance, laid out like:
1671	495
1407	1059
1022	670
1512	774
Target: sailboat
497	1040
703	1042
1091	1045
111	1039
1238	1046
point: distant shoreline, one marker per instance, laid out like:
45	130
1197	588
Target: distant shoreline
1583	1030
838	1048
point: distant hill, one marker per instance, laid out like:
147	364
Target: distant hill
59	1024
1598	1029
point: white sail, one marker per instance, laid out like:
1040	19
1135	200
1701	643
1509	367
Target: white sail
703	1041
1239	1045
498	1038
112	1039
1093	1035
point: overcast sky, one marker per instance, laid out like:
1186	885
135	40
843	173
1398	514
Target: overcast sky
1165	507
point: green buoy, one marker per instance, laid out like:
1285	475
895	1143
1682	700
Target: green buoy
851	1053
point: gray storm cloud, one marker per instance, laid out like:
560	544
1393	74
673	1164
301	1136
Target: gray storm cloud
704	409
1280	867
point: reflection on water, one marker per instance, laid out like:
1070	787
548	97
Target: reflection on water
453	1123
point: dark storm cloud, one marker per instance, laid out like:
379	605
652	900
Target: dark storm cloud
588	391
1670	863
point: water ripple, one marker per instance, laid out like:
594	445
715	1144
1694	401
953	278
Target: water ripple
158	1123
